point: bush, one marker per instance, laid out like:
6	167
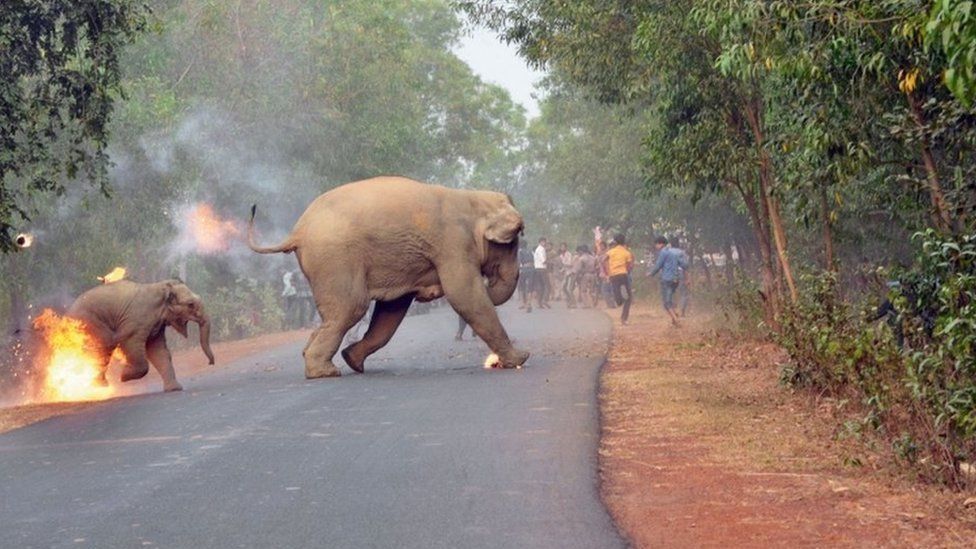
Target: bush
244	309
916	374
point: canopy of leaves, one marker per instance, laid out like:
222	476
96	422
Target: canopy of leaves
60	65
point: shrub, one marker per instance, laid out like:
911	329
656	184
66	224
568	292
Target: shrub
916	374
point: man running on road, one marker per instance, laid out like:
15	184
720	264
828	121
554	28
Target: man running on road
619	263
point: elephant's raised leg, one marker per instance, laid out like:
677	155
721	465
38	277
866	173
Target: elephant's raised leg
466	292
136	366
162	360
386	319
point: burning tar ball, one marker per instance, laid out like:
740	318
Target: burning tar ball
24	240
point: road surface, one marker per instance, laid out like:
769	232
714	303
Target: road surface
427	449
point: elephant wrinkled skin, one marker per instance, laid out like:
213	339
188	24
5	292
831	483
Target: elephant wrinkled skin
393	240
133	317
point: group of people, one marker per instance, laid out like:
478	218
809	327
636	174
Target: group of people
584	276
545	276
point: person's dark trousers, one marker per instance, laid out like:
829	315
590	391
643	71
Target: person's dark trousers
621	292
292	313
525	285
606	289
541	286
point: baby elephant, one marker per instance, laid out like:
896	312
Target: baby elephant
133	317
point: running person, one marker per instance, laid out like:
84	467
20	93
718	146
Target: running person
619	263
670	263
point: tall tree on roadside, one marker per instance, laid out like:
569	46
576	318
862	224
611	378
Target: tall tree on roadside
60	65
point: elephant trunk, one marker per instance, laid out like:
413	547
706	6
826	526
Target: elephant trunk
504	280
204	324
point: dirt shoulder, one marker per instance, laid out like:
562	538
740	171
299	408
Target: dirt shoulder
188	362
702	447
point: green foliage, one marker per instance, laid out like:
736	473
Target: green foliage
952	27
61	77
926	391
245	308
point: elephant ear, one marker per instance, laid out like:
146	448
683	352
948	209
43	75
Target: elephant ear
503	226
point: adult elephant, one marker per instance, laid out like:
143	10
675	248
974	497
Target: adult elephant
134	317
394	240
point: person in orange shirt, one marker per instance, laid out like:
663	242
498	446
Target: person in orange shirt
619	264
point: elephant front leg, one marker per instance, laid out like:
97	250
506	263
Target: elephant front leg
466	292
387	317
161	359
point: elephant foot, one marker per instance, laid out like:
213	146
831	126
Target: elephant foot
316	372
515	359
172	387
356	365
130	374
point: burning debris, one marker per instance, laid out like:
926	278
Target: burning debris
493	362
70	367
115	275
204	232
24	240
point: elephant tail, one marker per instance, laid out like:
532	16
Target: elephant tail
287	246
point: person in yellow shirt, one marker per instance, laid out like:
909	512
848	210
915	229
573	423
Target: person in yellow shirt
619	264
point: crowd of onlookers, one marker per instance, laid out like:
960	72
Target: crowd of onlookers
585	277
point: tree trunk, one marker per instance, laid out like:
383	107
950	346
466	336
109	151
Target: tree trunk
941	214
828	235
729	262
767	187
770	290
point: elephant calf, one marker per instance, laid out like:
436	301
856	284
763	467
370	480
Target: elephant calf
395	240
133	317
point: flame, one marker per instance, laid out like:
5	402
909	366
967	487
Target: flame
69	365
24	240
492	361
207	232
116	275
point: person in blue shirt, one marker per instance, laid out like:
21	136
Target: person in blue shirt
684	282
671	263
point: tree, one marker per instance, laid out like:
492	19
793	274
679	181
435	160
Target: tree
60	61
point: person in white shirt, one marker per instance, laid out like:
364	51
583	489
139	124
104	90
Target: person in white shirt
290	296
540	284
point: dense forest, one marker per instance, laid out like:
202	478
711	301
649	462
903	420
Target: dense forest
825	148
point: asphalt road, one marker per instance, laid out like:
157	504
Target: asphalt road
427	449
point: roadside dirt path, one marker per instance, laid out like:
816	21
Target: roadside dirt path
188	362
701	447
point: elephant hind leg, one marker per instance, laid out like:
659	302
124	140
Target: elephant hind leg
386	319
135	357
340	315
160	357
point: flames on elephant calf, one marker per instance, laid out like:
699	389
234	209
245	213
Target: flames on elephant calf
207	233
69	367
115	275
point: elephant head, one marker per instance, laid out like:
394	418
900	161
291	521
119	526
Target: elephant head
181	305
500	233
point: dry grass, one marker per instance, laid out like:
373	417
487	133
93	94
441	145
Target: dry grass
702	447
